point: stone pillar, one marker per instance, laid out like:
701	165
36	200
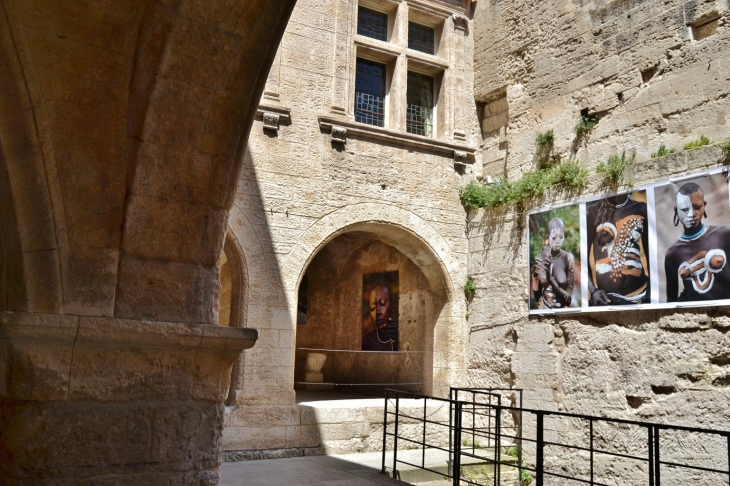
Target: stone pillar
95	400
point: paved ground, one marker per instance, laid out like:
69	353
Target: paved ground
344	470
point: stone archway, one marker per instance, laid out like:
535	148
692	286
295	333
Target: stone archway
123	127
424	246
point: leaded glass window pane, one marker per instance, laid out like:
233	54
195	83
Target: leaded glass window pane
419	104
370	93
371	23
421	38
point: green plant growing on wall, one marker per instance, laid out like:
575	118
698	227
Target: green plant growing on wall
726	150
585	124
473	195
613	169
566	175
663	150
513	451
470	287
545	140
700	142
526	477
544	143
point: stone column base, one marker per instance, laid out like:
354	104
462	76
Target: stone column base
103	401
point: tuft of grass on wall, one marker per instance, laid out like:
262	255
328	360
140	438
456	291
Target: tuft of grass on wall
545	140
544	143
585	124
613	169
567	175
700	142
662	151
726	149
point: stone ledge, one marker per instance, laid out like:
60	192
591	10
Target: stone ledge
401	139
45	357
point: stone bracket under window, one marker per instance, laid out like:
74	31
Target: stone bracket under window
461	22
341	128
273	116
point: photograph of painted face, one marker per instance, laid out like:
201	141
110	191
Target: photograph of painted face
617	232
380	312
693	239
554	237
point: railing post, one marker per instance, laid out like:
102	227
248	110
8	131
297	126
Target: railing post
456	463
657	463
385	431
538	453
423	442
498	439
450	464
590	421
395	437
650	447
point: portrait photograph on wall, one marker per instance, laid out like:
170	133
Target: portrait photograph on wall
555	258
693	239
617	233
380	311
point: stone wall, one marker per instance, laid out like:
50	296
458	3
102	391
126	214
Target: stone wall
300	189
654	72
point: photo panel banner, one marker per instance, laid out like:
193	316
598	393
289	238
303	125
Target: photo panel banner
661	245
380	292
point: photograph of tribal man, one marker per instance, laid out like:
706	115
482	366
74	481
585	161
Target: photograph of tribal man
380	311
617	233
555	258
693	239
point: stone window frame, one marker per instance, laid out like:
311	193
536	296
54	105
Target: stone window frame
400	59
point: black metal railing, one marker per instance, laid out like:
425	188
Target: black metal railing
544	447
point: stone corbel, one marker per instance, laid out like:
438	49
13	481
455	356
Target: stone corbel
273	116
339	134
460	159
271	120
461	22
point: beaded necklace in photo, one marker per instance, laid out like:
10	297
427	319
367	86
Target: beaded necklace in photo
695	236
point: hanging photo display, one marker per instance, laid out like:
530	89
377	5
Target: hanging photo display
380	311
555	258
661	245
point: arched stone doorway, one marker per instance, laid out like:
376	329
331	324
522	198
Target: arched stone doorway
336	253
337	287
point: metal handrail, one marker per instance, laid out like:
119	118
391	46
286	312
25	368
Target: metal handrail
495	432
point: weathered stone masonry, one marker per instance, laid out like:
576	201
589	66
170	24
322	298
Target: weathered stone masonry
655	72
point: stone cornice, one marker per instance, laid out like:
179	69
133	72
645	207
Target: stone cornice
403	139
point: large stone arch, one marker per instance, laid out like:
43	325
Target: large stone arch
123	128
418	240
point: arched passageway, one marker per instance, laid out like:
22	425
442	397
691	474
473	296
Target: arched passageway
372	312
353	242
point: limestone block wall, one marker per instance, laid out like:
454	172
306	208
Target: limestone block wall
299	190
653	72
